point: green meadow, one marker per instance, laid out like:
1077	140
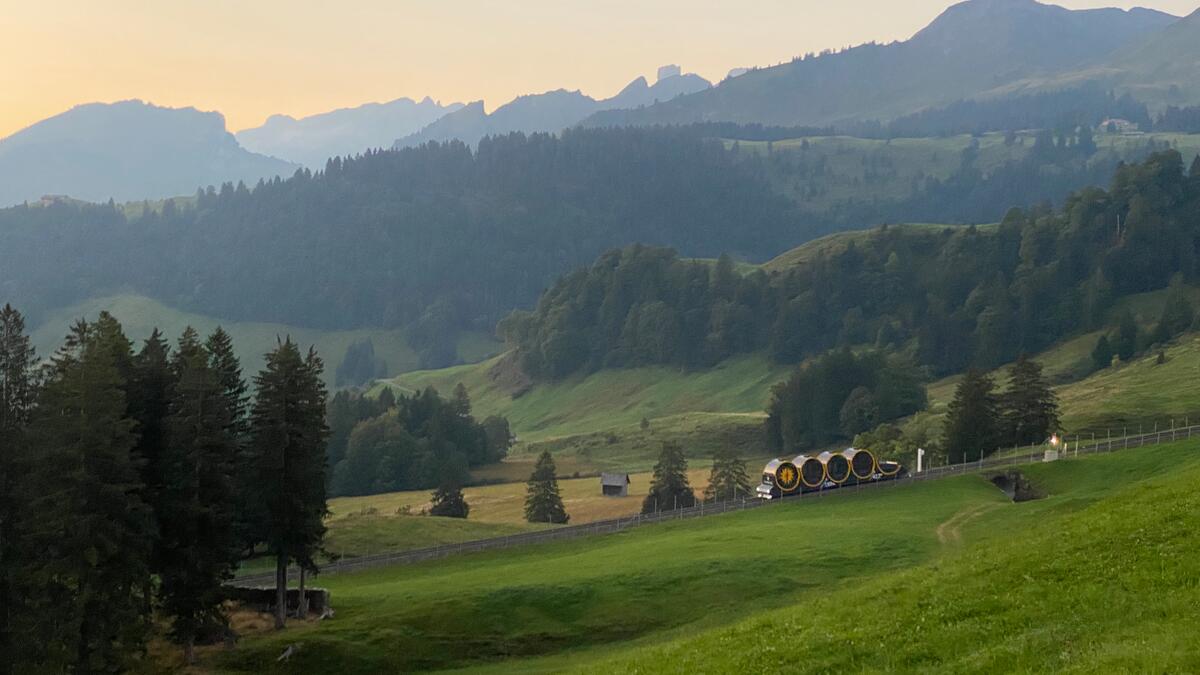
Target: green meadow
1098	576
139	316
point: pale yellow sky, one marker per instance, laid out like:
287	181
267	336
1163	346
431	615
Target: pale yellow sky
251	58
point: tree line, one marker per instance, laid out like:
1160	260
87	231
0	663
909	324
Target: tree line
951	298
135	481
840	395
1085	106
408	442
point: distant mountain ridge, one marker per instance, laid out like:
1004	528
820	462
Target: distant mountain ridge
344	132
126	151
970	49
550	111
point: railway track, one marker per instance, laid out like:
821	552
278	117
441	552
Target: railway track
1005	459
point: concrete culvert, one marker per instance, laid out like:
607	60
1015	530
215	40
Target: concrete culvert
862	463
837	467
1016	486
812	471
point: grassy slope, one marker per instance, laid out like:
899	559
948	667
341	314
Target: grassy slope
139	315
609	398
836	243
1108	586
363	532
827	566
593	422
1126	396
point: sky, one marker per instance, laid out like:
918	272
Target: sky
251	58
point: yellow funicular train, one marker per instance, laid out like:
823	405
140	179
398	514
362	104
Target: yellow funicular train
826	471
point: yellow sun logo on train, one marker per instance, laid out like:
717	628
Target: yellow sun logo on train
788	477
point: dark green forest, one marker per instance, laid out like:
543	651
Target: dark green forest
953	297
135	480
441	238
404	442
437	237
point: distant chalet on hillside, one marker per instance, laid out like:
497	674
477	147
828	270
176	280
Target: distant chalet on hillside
614	484
1117	126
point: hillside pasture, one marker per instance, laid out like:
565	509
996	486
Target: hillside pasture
855	579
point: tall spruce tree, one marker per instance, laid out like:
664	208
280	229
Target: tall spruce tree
543	503
1177	313
973	425
728	479
669	488
18	389
86	517
287	445
199	547
149	398
224	362
1029	407
1127	337
1102	354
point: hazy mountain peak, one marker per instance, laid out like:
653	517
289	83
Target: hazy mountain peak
346	131
551	111
971	48
126	150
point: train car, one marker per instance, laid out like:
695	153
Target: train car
826	471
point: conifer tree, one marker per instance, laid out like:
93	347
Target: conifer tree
973	424
287	447
86	517
543	503
199	546
462	401
228	368
1177	313
1127	337
387	399
1102	354
728	479
18	389
149	397
448	501
225	364
1029	407
669	489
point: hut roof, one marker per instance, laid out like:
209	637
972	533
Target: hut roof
614	479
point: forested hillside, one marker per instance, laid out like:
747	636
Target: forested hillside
955	297
848	183
436	237
441	238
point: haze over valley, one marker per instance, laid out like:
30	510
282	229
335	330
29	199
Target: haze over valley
581	337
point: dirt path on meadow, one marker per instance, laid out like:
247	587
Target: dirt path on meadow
950	532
